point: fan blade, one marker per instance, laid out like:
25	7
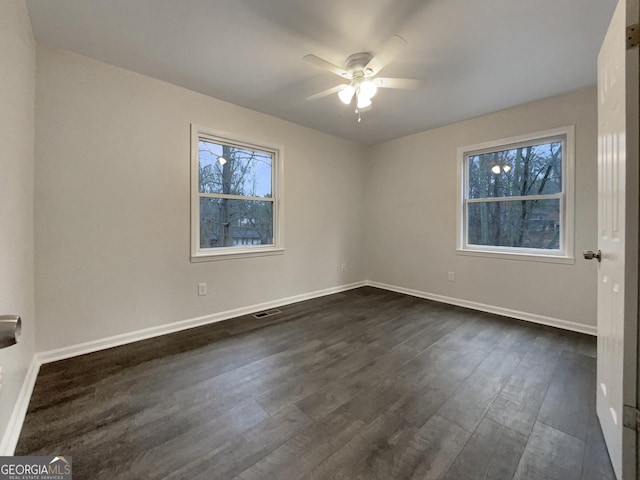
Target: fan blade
319	62
326	93
404	83
384	56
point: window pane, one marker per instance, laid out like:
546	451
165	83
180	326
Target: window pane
531	170
233	170
235	223
523	224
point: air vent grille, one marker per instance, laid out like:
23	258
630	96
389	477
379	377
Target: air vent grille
267	313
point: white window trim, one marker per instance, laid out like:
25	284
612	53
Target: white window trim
224	253
566	252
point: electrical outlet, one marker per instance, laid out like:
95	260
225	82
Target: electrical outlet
451	277
202	289
343	267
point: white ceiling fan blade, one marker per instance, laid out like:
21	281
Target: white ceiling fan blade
319	62
384	56
326	93
403	83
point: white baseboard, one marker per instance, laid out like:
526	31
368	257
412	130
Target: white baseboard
529	317
137	335
12	433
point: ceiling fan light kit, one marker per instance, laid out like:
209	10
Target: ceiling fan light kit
368	88
346	94
361	69
363	102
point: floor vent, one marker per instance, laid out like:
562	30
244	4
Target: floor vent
267	313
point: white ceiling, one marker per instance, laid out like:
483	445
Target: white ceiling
477	56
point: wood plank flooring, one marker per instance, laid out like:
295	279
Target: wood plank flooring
365	384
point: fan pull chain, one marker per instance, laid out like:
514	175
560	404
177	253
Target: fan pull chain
359	117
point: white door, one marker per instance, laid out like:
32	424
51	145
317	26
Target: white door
618	237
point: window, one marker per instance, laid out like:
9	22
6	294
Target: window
516	197
235	197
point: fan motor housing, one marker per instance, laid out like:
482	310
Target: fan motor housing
356	63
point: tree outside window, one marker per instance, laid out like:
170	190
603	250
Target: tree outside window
515	195
530	173
234	199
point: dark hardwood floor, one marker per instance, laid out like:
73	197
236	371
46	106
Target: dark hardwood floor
365	384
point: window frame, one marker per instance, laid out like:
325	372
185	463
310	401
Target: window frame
565	254
198	254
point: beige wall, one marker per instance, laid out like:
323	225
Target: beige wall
112	208
411	215
112	205
17	85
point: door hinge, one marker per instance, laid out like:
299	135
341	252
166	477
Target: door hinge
631	417
633	36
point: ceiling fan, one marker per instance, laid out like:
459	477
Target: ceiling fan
361	70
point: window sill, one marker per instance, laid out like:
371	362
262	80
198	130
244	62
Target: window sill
519	256
240	253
